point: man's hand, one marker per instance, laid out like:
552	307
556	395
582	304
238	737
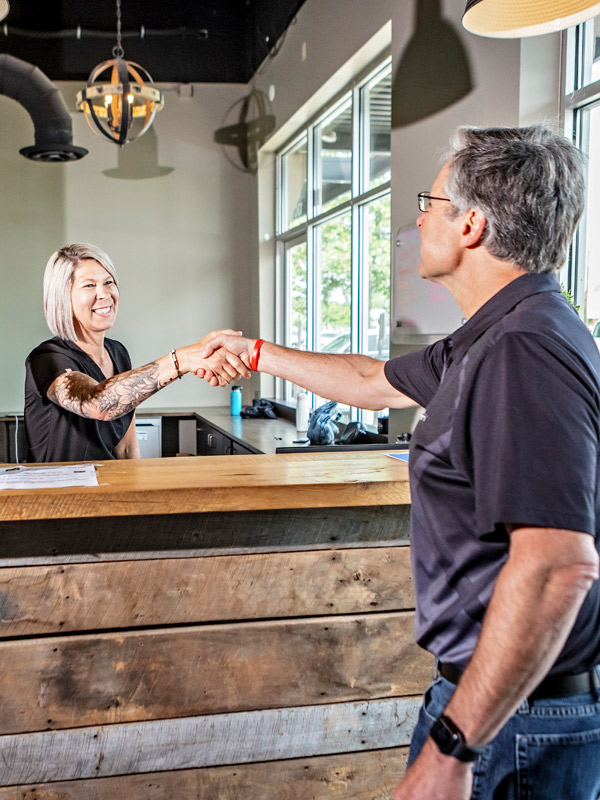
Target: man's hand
434	776
214	335
236	349
222	367
236	344
219	370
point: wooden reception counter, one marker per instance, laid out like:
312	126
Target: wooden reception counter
209	628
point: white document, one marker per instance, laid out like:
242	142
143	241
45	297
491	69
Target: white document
48	477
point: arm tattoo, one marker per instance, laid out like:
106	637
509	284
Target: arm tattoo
109	399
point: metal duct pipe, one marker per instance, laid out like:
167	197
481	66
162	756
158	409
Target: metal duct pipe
42	99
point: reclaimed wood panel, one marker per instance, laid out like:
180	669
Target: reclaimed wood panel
96	679
235	483
368	775
226	531
129	594
267	735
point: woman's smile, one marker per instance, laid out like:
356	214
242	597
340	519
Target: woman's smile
104	311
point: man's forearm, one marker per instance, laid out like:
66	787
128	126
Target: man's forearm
535	603
354	380
345	378
532	611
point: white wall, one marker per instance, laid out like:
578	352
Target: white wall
32	220
539	100
180	241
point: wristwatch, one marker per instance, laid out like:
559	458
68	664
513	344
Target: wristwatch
451	741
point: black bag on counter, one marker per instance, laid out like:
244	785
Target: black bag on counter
259	409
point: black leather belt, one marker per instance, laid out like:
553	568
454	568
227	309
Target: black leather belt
555	686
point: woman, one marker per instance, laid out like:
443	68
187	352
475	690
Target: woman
80	389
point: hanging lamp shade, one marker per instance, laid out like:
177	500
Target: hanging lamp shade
119	101
4	8
517	18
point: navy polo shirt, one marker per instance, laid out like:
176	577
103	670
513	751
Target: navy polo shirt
510	435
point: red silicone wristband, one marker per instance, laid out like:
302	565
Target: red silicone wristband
255	354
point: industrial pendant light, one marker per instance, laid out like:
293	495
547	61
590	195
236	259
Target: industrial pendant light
122	107
517	18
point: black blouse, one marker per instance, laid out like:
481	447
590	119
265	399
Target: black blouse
55	434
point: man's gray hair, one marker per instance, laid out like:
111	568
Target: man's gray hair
58	281
530	185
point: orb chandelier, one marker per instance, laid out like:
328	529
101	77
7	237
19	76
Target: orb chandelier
119	101
517	18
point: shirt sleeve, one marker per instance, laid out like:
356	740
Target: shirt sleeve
46	365
417	374
533	429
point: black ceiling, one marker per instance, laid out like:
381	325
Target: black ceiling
183	41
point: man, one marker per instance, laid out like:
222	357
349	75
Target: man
504	478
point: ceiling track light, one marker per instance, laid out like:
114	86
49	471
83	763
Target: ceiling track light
507	19
122	109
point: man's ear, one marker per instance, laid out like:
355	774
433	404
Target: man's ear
473	227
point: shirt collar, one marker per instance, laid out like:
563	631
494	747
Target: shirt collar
499	305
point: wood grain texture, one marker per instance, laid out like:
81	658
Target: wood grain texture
268	735
235	483
225	531
368	775
129	594
96	679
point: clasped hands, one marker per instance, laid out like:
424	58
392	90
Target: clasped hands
220	357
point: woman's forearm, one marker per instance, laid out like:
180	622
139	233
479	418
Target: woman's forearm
113	397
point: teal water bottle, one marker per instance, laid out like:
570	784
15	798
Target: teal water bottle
235	401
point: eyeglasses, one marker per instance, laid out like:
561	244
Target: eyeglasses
425	200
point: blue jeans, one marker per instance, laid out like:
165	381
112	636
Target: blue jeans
548	750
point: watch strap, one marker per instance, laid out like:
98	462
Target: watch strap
451	741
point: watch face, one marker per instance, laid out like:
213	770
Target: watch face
451	741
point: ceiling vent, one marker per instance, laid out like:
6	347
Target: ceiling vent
44	103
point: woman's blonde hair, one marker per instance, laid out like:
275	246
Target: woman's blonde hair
58	281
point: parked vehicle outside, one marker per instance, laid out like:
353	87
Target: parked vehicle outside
342	344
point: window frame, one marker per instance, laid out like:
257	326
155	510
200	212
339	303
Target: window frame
358	91
578	96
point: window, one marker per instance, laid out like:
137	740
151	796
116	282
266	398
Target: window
334	228
582	118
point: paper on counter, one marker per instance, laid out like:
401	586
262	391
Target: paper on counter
399	456
48	477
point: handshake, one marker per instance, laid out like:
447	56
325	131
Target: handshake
219	357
